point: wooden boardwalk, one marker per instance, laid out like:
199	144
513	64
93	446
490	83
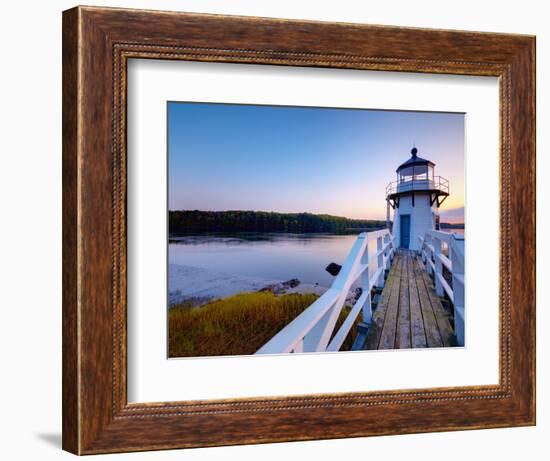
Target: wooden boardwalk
409	313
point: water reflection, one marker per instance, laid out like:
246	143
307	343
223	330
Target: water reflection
270	256
264	255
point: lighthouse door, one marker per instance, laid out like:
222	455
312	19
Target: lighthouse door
405	230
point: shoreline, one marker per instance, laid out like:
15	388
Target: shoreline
200	285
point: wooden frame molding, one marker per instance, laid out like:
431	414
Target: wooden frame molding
97	43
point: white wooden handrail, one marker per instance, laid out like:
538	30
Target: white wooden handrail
313	329
432	252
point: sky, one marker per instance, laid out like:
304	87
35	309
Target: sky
303	159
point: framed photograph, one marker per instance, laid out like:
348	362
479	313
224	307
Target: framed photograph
281	230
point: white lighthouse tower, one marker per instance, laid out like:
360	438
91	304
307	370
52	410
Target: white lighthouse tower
415	198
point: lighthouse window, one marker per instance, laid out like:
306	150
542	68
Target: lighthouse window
407	174
421	173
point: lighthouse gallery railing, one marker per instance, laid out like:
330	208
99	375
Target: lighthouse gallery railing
436	182
433	247
313	329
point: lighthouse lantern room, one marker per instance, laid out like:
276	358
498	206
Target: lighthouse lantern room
415	199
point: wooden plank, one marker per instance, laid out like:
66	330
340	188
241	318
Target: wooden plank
379	315
387	337
403	333
431	328
441	316
418	334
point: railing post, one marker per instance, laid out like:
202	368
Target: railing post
365	284
380	265
438	266
429	254
422	248
389	251
456	253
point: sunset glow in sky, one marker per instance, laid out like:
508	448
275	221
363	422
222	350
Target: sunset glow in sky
298	159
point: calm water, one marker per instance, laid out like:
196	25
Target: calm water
275	256
268	256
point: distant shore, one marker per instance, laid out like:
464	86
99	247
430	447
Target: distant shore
200	222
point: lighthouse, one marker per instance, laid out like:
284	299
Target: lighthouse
415	198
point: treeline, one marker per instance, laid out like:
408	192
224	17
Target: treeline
447	225
198	222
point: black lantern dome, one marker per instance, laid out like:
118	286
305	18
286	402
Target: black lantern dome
415	160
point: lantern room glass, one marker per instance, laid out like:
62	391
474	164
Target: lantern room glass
416	173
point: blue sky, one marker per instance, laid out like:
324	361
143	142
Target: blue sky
295	159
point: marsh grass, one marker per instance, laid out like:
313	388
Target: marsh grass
236	325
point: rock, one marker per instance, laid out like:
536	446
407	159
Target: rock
281	288
354	295
292	283
275	288
333	269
